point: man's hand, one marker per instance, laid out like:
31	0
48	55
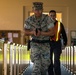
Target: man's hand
37	32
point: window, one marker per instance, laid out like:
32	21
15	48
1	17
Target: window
58	15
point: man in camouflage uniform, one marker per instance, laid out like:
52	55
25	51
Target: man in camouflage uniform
40	28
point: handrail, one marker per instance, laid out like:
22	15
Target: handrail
70	54
13	58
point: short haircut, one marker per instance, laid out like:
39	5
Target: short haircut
52	11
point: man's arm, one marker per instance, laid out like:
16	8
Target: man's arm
28	32
64	34
32	32
27	28
49	33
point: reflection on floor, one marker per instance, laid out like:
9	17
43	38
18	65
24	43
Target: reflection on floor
29	70
64	71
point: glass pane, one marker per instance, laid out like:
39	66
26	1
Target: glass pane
58	15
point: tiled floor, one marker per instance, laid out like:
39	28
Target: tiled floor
29	70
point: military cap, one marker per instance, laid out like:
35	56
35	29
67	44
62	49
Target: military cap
38	5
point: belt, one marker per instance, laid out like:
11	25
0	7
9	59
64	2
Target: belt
40	41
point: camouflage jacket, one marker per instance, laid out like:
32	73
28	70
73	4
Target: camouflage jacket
44	23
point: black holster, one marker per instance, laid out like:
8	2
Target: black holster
28	45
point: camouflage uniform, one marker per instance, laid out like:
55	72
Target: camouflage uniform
40	52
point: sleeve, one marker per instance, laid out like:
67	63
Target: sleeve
27	24
63	32
50	23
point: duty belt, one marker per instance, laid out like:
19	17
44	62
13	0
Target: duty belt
40	41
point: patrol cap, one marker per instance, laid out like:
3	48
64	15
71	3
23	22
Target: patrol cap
37	5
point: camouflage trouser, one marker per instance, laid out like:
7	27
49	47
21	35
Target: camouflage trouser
40	56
